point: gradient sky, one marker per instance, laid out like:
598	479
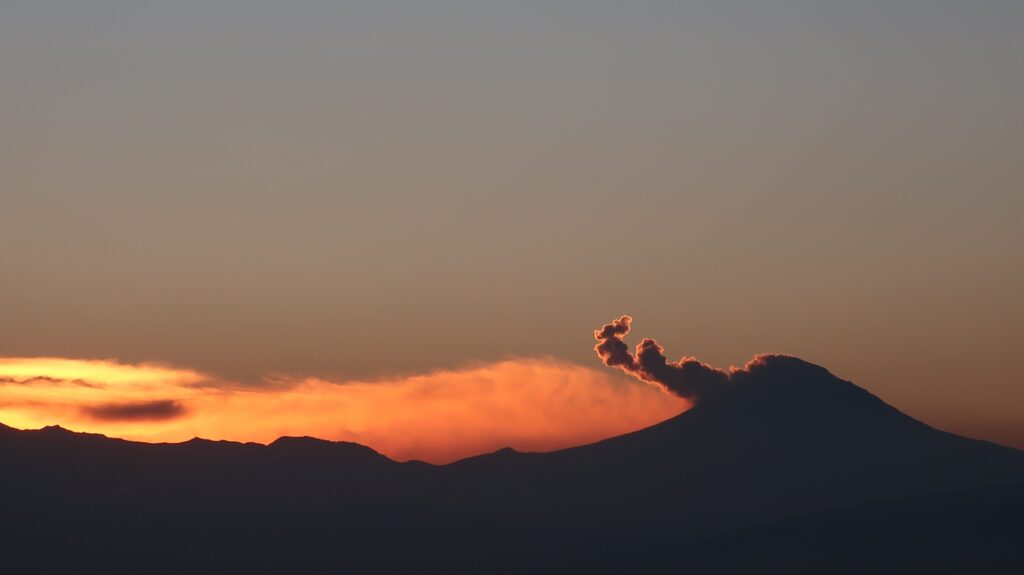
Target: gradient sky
351	189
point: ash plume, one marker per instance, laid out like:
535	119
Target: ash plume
687	378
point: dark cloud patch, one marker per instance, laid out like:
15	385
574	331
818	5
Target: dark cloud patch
136	411
47	380
687	378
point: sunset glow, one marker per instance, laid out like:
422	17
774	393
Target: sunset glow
528	404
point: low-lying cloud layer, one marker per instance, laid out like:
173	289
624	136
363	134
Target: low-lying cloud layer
528	404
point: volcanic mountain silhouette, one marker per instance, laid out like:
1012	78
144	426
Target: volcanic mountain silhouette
790	470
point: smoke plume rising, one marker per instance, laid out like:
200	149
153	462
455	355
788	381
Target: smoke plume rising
687	378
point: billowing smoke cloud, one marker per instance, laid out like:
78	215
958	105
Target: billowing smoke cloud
687	378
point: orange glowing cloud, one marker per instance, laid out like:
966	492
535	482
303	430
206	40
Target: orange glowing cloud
528	404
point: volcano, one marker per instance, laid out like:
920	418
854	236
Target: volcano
790	469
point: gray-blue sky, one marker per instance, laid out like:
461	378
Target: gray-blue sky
350	188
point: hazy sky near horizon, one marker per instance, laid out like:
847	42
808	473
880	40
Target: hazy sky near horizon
348	189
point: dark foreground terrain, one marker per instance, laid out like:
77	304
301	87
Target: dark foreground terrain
792	470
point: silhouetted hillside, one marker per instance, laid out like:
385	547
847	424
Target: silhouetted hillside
790	470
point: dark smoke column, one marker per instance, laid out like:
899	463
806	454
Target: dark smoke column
687	378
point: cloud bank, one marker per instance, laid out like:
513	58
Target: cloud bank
537	404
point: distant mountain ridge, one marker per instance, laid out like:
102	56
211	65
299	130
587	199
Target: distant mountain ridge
787	441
